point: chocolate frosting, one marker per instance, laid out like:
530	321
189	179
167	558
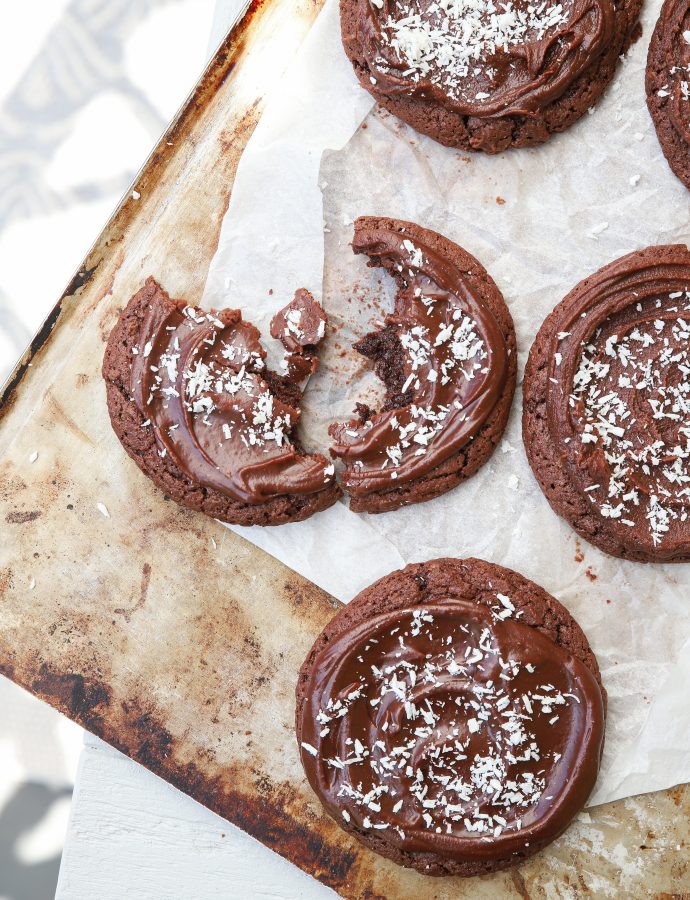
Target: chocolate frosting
300	327
618	398
673	25
301	324
452	728
200	381
478	60
455	367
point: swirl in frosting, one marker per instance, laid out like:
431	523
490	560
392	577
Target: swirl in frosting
452	728
200	380
453	371
480	59
618	401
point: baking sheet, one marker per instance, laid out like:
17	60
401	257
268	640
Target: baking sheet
163	633
539	220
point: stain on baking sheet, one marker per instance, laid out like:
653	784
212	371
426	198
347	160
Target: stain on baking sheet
519	884
80	280
60	415
74	695
145	581
21	518
302	602
6	668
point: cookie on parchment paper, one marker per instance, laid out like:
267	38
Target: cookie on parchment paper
606	414
448	360
451	717
481	79
194	405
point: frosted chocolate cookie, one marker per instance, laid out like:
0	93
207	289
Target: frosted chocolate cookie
667	80
606	420
447	358
194	405
451	717
481	77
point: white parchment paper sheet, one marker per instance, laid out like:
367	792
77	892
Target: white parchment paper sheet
590	195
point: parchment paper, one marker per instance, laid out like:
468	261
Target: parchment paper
570	207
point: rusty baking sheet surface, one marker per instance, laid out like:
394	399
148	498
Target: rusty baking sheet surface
154	627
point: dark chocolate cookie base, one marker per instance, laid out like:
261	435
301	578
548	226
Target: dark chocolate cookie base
140	443
494	134
434	581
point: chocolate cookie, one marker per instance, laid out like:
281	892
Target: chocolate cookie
451	717
447	358
194	405
606	420
667	79
475	76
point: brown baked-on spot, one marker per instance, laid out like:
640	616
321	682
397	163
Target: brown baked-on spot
7	669
140	442
490	133
21	517
665	63
500	201
145	581
76	696
677	793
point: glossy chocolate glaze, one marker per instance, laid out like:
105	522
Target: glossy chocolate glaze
516	59
301	324
618	400
452	728
455	367
300	327
200	382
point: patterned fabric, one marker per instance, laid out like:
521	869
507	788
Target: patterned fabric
108	77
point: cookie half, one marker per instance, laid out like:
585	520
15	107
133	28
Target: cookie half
451	717
192	402
481	78
667	81
606	418
447	358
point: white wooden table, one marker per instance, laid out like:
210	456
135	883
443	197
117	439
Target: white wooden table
133	835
